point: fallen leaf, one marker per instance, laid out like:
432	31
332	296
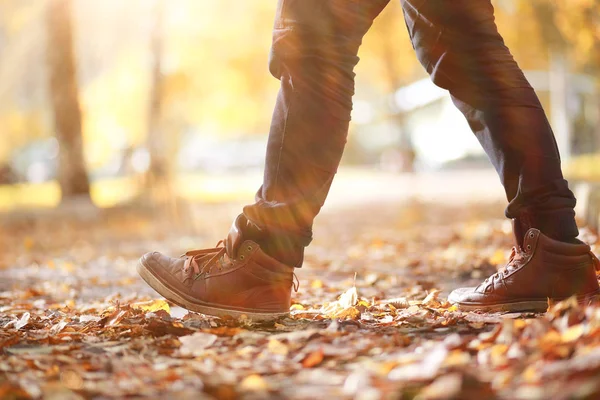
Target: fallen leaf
348	313
573	333
152	305
443	388
57	328
347	299
277	347
296	336
316	284
426	369
88	318
195	344
254	383
24	320
396	303
313	359
431	299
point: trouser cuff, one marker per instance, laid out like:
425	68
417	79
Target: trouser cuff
285	247
559	225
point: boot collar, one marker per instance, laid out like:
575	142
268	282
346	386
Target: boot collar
241	229
235	236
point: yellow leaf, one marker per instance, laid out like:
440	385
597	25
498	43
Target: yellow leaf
386	367
277	347
551	338
530	374
152	305
520	323
254	382
364	303
573	333
348	313
498	354
316	284
498	258
457	358
453	307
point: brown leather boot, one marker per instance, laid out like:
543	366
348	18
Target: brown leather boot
539	269
236	279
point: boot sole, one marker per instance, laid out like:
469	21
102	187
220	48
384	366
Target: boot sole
203	308
537	306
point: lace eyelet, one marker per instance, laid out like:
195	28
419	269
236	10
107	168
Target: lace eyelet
532	235
242	257
249	248
528	247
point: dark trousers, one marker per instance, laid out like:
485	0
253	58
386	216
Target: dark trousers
314	52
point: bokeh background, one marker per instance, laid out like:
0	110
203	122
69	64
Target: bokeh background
154	100
129	126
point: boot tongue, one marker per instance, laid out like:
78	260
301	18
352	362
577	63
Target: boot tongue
519	231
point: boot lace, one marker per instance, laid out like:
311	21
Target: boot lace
517	256
195	263
195	266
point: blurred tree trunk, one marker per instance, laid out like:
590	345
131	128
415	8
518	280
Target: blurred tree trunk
158	169
159	190
64	94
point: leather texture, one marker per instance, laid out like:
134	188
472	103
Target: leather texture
238	276
541	269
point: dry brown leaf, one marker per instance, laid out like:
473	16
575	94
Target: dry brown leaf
348	313
23	321
347	299
443	388
195	344
431	300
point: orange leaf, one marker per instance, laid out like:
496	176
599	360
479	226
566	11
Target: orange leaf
313	359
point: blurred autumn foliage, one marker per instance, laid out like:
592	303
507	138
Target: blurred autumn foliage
152	74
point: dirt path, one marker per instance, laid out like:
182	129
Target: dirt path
76	321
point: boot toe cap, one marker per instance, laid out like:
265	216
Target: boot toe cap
150	260
464	295
157	261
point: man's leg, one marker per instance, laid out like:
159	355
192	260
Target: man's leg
315	46
459	45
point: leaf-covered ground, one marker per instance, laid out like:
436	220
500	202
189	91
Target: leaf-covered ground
370	320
